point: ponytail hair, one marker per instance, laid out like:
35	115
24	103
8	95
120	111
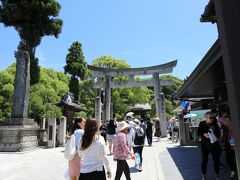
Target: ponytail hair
75	125
90	130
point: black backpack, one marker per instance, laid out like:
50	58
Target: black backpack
139	136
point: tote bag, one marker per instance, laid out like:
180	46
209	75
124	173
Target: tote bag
70	148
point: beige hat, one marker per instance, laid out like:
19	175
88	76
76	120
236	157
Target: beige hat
122	125
156	119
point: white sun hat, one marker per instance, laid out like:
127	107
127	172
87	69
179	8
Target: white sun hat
122	125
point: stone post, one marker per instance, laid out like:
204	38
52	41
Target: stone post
182	130
187	131
62	131
19	133
43	123
159	104
21	86
107	102
98	110
52	133
163	115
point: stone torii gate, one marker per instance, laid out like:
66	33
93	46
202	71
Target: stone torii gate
107	84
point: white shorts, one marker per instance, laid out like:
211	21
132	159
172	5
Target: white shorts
111	138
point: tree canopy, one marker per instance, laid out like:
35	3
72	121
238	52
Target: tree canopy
76	66
110	62
32	20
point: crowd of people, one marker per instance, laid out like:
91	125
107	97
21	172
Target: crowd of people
125	139
173	129
217	136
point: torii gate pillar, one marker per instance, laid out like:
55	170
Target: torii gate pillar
107	102
160	104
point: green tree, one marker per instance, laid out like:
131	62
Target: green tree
169	91
110	62
76	66
87	95
6	92
32	20
43	95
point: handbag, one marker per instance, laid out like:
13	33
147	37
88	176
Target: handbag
70	148
212	137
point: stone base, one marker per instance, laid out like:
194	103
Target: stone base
17	138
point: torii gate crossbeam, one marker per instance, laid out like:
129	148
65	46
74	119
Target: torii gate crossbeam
108	73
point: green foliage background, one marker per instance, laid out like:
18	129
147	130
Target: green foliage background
76	67
32	20
53	85
42	97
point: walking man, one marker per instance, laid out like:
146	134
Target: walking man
138	139
149	131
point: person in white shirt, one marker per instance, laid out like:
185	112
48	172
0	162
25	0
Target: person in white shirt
93	153
131	134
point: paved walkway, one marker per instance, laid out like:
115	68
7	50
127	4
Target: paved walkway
163	160
185	163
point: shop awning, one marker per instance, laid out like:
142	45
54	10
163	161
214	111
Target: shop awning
206	78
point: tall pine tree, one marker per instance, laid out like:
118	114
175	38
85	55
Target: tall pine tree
32	19
76	66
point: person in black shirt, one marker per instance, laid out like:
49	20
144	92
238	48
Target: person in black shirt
103	130
209	133
111	133
149	131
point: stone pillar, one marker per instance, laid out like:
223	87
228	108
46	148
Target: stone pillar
107	102
98	109
21	86
19	133
159	104
62	131
187	131
111	111
182	131
228	22
43	123
163	115
52	133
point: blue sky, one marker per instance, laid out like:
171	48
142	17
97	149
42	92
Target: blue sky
143	33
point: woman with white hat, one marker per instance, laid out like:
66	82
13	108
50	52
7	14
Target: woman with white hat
121	151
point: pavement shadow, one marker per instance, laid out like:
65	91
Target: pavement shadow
133	170
188	162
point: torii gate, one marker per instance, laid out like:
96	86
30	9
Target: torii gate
107	84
